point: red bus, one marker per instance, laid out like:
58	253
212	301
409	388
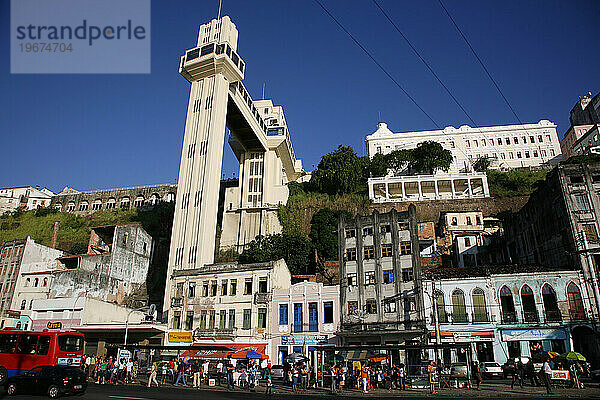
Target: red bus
21	351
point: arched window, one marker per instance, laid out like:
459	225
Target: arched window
23	304
479	307
441	307
36	282
508	306
576	310
71	206
27	282
110	204
18	326
528	303
83	206
125	203
154	199
170	197
459	310
58	207
550	304
138	202
45	282
97	205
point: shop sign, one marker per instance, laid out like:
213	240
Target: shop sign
54	325
303	339
180	337
532	334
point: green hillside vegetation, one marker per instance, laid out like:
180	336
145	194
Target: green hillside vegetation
514	183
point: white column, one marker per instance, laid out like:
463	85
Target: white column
420	190
387	191
470	190
403	191
435	185
452	187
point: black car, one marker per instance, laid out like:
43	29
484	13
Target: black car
52	380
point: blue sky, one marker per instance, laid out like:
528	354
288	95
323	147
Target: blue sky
102	131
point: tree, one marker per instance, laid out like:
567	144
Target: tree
399	160
482	164
295	250
323	232
430	156
340	171
376	166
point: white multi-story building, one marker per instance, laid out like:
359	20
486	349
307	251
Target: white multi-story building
508	146
25	197
228	304
304	316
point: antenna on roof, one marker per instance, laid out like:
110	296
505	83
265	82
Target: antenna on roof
219	14
379	116
264	83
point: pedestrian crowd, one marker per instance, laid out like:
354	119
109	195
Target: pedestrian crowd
110	370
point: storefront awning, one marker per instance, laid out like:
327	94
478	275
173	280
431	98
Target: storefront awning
220	351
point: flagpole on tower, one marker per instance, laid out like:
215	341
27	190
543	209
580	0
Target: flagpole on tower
219	14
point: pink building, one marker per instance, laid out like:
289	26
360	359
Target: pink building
305	316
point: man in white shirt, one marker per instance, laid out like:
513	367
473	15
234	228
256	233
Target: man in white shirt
546	374
220	372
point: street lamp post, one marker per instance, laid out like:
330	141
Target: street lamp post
127	321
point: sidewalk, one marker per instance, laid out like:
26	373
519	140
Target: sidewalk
488	390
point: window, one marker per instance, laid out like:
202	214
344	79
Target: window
389	307
213	288
27	282
224	287
350	233
8	343
231	319
283	314
469	222
176	319
535	154
540	139
36	282
519	154
467	143
43	345
262	285
591	234
138	202
351	254
368	252
527	154
479	307
23	304
385	229
371	306
233	287
388	276
459	310
192	289
404	248
313	317
125	203
576	310
507	305
528	303
467	241
407	274
247	322
352	279
83	206
202	319
582	202
205	289
298	317
352	307
110	204
454	221
386	250
27	344
499	141
550	304
222	319
368	231
516	140
262	318
248	286
441	307
211	319
328	312
370	278
189	320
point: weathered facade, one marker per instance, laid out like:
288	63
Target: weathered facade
24	197
85	203
11	255
115	267
380	274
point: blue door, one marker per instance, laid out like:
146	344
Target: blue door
313	317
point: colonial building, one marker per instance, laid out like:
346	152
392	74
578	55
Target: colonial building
227	303
380	271
11	256
85	203
304	316
508	147
509	311
582	135
24	197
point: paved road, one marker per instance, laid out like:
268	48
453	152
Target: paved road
494	390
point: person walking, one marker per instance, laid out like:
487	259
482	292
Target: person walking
546	374
230	382
517	374
196	374
269	379
364	375
180	373
153	374
401	376
477	374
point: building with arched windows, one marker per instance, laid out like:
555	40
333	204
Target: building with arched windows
507	312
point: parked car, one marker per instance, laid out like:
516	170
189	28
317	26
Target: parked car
52	380
277	372
491	370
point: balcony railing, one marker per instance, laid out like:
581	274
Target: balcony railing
214	333
577	315
530	316
553	316
480	317
509	317
176	301
262	298
460	318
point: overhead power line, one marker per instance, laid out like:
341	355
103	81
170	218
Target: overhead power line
339	24
424	61
480	61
